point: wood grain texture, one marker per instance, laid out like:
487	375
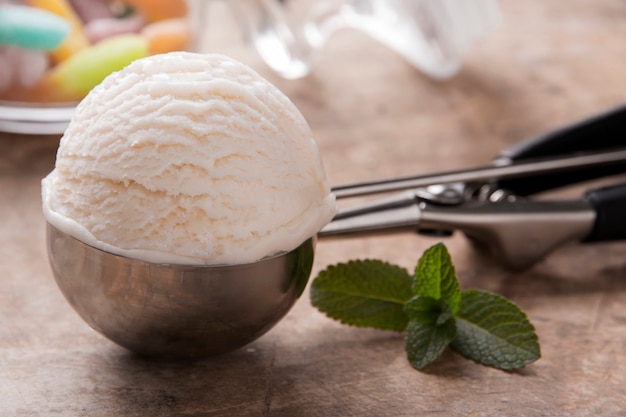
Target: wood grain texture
551	62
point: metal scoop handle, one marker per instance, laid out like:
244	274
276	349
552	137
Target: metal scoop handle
519	233
535	168
598	133
592	148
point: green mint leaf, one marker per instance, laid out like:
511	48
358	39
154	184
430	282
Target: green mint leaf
367	293
430	330
495	332
435	277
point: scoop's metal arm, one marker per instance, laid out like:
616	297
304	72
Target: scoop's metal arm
535	168
588	149
600	132
519	233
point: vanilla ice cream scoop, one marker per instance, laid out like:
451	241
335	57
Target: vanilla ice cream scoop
188	158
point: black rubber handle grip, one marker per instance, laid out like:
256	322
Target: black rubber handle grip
609	204
600	133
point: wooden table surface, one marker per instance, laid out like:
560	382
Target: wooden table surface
551	62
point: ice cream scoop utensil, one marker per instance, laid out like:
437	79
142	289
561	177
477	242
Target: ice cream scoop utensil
485	202
171	310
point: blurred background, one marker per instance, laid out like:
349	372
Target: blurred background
379	106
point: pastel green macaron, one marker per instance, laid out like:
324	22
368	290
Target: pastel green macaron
31	28
81	72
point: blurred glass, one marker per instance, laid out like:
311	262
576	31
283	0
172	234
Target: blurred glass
38	88
433	35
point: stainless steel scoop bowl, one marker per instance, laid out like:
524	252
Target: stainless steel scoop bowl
177	311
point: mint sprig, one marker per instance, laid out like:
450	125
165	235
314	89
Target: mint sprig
430	307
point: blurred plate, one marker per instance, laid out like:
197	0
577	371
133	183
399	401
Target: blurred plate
32	119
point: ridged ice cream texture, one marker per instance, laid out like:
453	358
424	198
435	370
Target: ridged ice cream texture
188	158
